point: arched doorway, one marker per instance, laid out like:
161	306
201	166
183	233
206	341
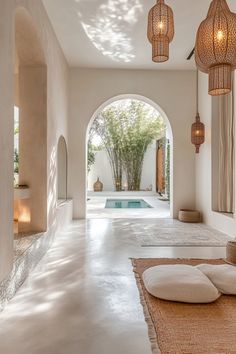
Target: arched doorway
30	76
153	164
62	162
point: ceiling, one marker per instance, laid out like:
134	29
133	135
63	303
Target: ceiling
112	33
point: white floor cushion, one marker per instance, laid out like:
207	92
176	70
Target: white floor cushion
222	276
180	283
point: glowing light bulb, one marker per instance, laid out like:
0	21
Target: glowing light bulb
197	132
220	35
160	25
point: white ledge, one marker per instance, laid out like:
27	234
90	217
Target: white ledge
21	193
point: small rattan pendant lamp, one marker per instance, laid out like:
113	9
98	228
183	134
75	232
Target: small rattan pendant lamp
198	128
215	49
160	30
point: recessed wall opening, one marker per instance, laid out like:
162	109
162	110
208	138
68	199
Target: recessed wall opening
30	143
129	160
62	163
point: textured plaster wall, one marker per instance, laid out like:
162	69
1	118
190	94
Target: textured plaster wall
204	188
6	136
57	108
33	141
173	91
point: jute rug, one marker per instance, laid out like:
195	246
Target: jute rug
177	328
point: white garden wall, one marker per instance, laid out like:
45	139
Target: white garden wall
102	169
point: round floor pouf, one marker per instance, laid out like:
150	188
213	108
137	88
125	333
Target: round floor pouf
231	252
191	216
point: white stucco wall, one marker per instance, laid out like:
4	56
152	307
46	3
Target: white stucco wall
173	91
148	178
57	108
102	169
204	167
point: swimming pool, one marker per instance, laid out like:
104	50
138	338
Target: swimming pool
127	204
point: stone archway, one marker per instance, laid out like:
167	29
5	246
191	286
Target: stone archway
157	108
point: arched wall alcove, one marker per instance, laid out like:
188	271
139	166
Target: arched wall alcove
158	109
31	98
62	169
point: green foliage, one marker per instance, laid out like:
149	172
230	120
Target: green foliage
91	155
126	129
16	130
16	161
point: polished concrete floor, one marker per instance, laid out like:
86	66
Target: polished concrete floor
82	297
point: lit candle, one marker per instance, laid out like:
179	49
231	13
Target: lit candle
24	215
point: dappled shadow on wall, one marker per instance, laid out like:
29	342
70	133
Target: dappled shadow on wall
110	26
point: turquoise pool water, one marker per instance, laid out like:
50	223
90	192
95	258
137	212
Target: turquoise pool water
127	204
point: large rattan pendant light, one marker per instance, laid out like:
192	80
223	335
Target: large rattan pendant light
198	128
160	30
215	49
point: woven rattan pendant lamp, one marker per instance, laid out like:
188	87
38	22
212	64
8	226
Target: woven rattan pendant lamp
160	30
215	49
198	128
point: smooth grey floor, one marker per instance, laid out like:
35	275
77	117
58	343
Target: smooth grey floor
82	298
